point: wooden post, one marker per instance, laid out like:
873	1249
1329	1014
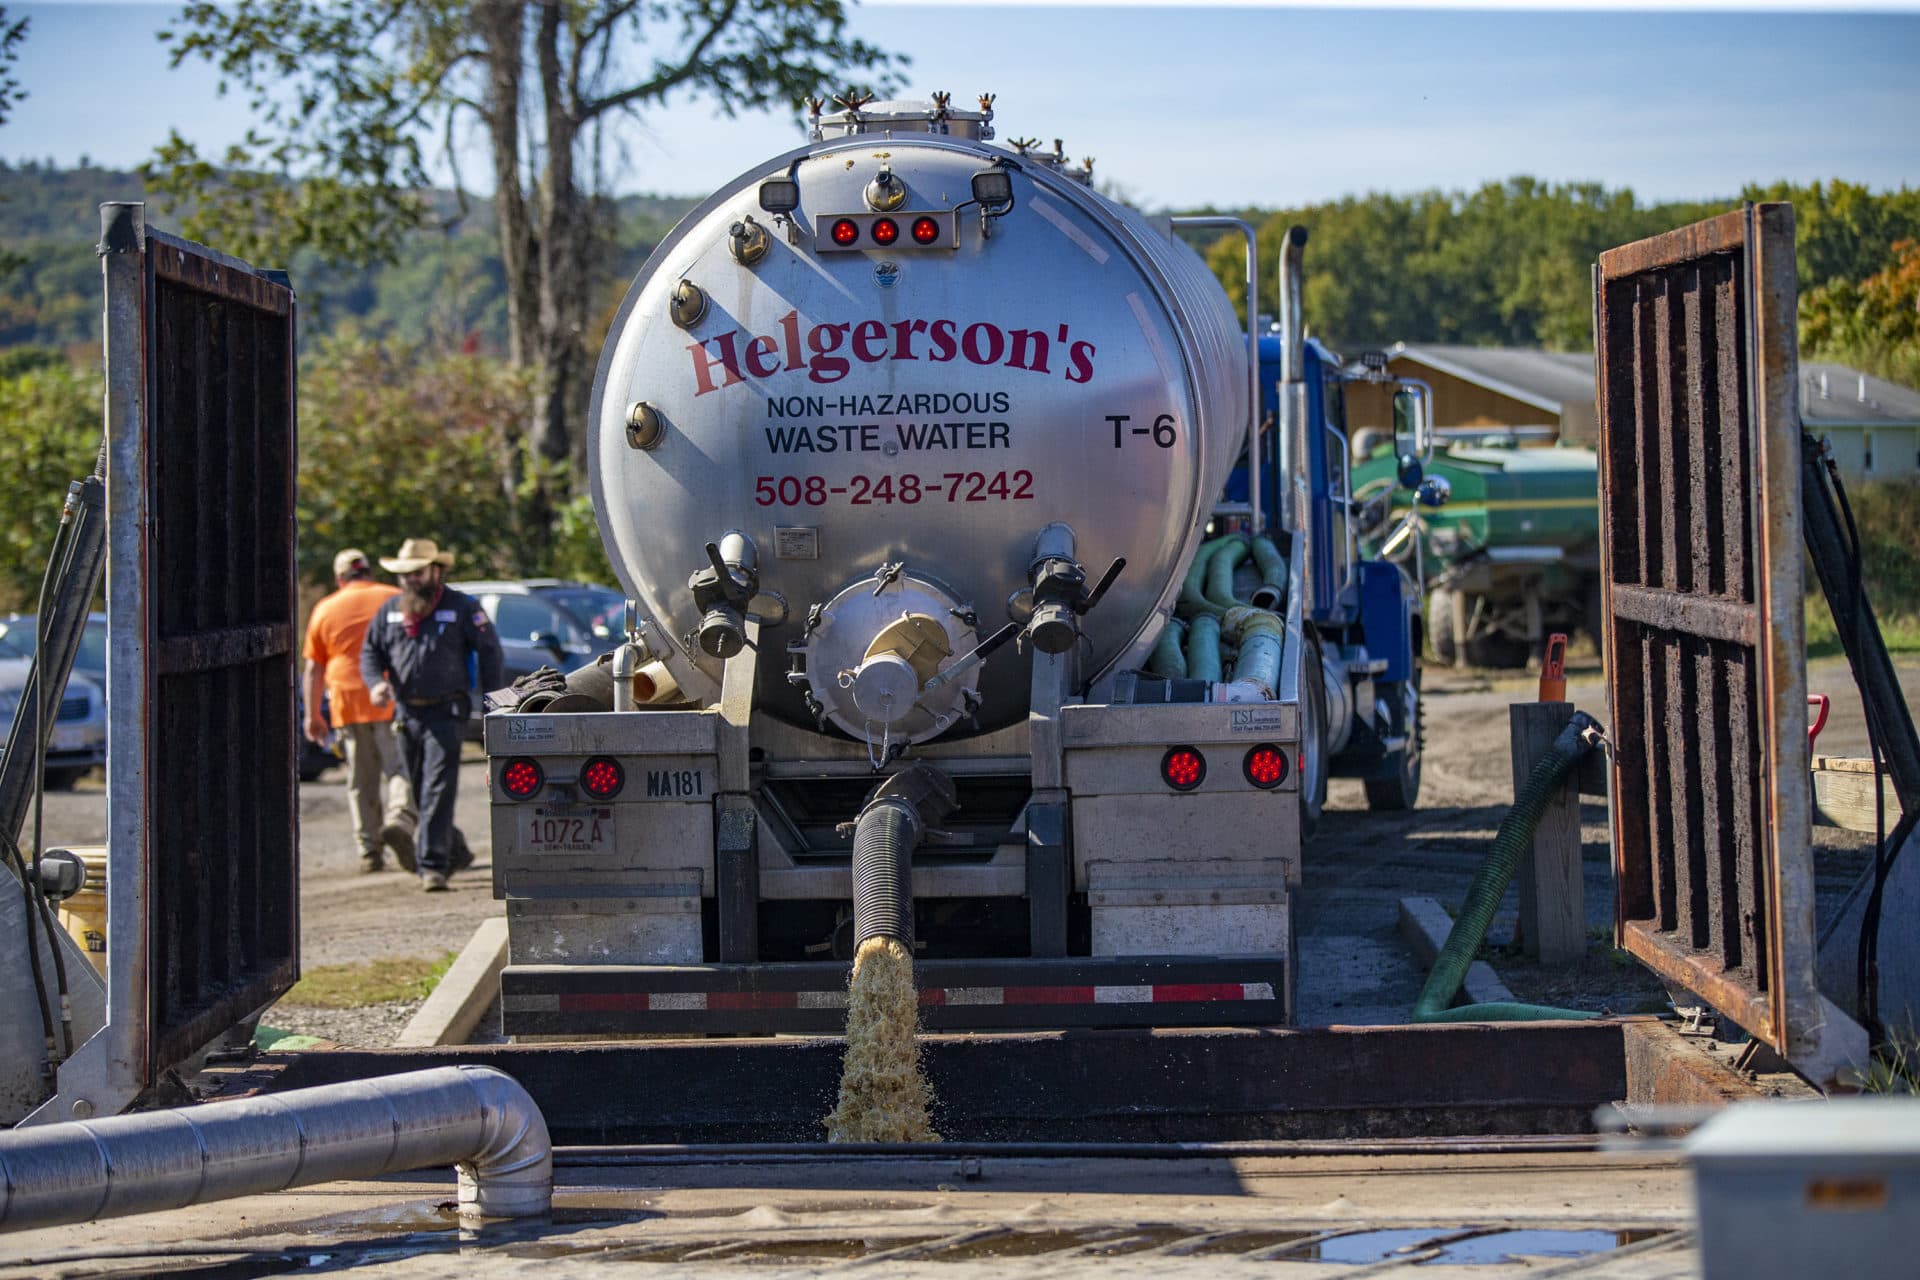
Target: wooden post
1553	905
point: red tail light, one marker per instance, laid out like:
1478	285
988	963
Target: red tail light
1265	766
885	231
925	231
521	778
1183	768
602	778
845	231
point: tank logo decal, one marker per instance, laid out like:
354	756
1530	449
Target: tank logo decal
827	352
886	274
1048	210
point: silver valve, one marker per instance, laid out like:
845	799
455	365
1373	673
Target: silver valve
721	593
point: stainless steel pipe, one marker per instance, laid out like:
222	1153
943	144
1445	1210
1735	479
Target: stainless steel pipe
477	1118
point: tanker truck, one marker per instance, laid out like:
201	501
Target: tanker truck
910	452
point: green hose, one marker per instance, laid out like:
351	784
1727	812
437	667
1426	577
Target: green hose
1193	598
1220	574
1490	883
1168	658
1273	574
1203	648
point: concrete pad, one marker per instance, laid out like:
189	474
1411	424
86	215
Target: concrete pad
1424	926
453	1010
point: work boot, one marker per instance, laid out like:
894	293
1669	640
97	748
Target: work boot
461	852
371	861
399	838
433	881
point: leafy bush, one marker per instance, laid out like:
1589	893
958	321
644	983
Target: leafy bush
50	432
393	447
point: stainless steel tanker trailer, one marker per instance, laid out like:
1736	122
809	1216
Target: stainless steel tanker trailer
910	453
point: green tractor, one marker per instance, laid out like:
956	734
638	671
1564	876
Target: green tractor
1513	556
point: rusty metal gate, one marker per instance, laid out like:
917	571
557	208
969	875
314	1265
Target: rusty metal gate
203	925
1697	366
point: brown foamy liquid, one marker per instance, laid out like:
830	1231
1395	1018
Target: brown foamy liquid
883	1096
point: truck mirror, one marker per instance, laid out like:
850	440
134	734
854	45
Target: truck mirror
1406	424
1433	492
1411	472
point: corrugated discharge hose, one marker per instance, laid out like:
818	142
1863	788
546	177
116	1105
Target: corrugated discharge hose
883	842
1490	884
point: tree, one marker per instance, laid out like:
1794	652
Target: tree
12	35
351	97
50	432
396	444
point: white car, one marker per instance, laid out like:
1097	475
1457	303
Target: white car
79	740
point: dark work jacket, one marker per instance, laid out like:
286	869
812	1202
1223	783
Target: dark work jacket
432	666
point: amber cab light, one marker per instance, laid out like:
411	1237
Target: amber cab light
521	778
925	231
1183	768
885	231
602	778
845	231
1265	766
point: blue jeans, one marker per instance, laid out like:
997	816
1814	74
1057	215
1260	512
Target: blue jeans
429	740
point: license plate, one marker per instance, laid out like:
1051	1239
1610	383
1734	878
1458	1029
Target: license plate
567	830
69	738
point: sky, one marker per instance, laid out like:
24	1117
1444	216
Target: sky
1233	105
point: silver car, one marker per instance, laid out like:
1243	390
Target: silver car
79	718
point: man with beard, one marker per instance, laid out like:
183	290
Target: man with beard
416	656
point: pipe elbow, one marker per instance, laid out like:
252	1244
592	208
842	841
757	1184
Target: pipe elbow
511	1175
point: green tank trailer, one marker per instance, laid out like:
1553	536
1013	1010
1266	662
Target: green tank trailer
1513	556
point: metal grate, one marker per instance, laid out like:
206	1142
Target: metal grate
1700	527
74	706
220	795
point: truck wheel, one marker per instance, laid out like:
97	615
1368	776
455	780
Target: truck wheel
1401	789
1313	737
1440	626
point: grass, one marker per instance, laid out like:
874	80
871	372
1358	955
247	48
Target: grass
352	986
1901	634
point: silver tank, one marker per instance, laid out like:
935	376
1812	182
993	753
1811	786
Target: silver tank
1061	359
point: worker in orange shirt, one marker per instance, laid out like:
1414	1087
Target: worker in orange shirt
377	789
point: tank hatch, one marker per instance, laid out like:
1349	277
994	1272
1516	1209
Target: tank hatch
860	114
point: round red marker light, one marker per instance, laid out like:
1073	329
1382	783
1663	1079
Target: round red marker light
885	231
521	778
925	231
602	778
1265	766
1183	768
845	231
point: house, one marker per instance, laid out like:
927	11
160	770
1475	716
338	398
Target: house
1540	397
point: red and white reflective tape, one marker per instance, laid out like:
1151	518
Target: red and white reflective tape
716	1001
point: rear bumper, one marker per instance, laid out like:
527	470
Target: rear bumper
955	995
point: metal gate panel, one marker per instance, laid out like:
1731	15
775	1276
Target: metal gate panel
1705	652
221	799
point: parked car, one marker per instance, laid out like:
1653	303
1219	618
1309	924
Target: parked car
79	740
549	622
20	636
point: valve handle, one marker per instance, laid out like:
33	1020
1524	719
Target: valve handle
1100	588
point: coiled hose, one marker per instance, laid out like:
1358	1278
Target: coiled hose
1193	594
1490	884
1203	648
1169	657
883	842
1272	591
1220	574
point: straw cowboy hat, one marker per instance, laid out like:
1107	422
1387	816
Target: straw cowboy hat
416	553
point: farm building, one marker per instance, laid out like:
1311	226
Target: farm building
1539	397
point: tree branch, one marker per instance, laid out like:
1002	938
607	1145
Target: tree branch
653	88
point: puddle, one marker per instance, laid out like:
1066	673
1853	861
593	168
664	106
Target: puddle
1364	1246
1242	1242
1510	1246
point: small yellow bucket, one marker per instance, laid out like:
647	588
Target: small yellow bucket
84	915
